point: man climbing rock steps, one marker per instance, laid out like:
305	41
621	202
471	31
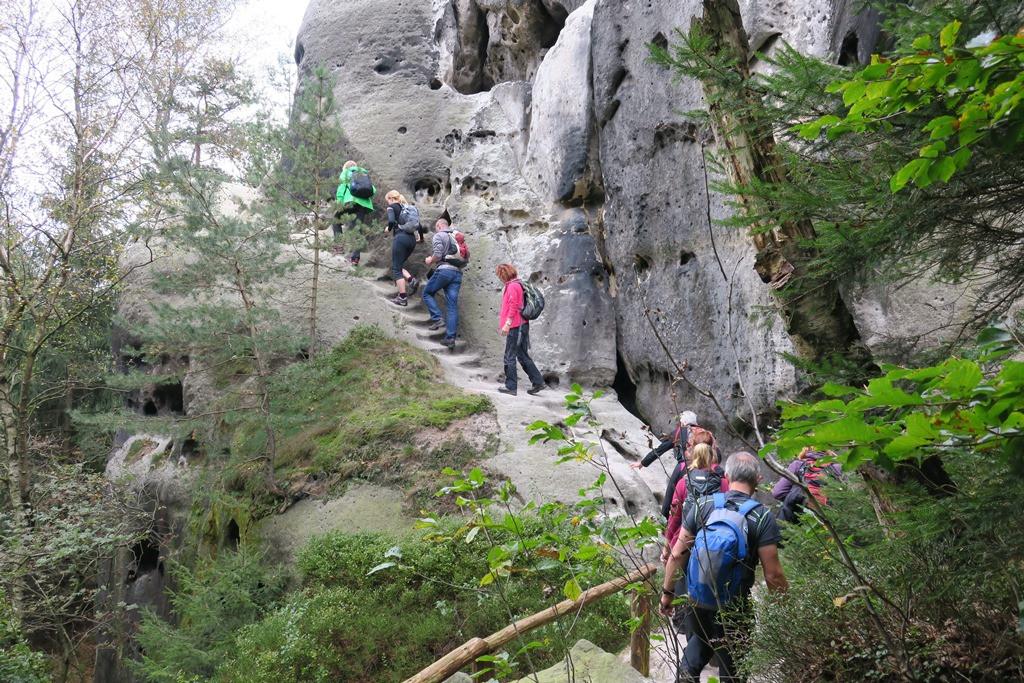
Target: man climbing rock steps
447	277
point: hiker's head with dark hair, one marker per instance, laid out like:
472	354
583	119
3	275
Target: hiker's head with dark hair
743	467
441	224
506	272
703	438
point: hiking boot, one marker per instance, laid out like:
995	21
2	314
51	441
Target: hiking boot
506	390
536	389
414	284
400	300
450	343
436	325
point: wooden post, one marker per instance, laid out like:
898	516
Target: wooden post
469	651
640	639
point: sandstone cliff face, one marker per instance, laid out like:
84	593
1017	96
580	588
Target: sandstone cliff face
544	129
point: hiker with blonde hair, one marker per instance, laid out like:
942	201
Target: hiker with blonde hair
703	477
404	222
355	195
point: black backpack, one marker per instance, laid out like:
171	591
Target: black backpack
533	301
360	185
701	483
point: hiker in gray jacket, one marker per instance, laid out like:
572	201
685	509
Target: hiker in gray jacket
445	257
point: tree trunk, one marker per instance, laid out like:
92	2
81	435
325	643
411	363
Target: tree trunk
262	373
816	317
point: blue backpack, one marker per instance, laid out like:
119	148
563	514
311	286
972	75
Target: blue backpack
715	573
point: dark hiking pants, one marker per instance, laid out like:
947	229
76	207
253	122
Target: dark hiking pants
401	249
359	213
517	349
709	633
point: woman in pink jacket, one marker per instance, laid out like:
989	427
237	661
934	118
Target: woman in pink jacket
517	333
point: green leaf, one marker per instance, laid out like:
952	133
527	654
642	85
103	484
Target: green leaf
922	42
948	34
472	534
941	127
837	390
903	176
874	71
943	169
572	589
381	567
961	157
488	579
810	131
853	92
577	389
851	429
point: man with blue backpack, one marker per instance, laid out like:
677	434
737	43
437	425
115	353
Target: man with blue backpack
724	537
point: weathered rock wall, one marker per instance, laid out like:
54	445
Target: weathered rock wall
546	131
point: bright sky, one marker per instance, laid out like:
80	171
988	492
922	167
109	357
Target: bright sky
263	30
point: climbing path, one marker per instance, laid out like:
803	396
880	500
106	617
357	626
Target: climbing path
530	467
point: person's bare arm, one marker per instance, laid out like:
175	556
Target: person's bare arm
773	574
676	561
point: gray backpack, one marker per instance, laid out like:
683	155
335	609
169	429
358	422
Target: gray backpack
409	219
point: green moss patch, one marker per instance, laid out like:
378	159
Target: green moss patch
358	410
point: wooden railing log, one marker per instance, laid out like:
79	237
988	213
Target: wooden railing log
466	653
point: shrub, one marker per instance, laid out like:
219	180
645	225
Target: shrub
353	626
212	602
18	662
953	566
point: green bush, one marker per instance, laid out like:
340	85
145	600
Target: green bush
348	625
211	603
952	566
18	662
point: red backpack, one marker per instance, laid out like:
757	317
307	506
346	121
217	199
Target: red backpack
458	250
692	431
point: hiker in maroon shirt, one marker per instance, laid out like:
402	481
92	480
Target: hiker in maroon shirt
517	333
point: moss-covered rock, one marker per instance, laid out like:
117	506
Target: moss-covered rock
589	663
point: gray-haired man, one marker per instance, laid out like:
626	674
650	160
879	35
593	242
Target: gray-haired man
710	633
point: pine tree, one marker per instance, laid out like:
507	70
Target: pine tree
301	186
230	255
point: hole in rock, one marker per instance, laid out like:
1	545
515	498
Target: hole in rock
658	496
232	536
630	506
300	52
685	257
169	397
660	40
551	379
145	559
427	189
149	409
613	501
402	130
384	66
435	83
848	51
190	449
624	386
640	264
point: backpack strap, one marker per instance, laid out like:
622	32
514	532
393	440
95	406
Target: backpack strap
746	507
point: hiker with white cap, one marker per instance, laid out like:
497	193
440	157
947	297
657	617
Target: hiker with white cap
687	435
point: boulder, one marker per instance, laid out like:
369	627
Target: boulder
589	663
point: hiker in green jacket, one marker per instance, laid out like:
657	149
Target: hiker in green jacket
355	194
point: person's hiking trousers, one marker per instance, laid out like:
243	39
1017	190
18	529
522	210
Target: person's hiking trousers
401	249
449	280
517	349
